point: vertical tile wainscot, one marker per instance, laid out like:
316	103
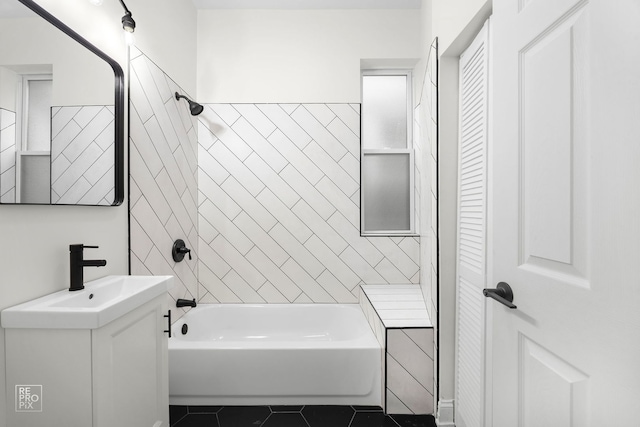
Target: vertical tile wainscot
399	318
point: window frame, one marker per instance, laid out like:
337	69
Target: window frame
408	150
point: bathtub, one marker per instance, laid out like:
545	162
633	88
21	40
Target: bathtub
274	354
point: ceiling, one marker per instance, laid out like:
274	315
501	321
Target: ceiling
307	4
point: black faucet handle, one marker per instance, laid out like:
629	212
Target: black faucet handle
79	247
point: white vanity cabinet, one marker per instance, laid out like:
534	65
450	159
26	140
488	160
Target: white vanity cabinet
115	375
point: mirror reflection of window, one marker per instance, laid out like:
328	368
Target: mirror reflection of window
37	94
33	161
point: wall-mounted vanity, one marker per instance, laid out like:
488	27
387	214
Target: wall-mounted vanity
94	357
61	113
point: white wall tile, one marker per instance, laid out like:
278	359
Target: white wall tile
236	168
259	144
412	394
226	135
345	135
164	151
143	144
214	286
226	227
272	180
249	204
142	105
284	215
286	124
289	108
349	115
285	286
225	111
258	120
210	166
163	182
320	227
210	259
341	201
390	273
306	283
321	112
397	257
297	190
394	405
261	239
411	357
241	288
319	133
213	192
308	192
271	294
297	250
352	235
365	271
331	168
295	156
339	269
336	288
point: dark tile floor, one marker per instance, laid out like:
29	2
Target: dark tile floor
292	416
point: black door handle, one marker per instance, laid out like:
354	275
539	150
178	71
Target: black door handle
168	330
502	293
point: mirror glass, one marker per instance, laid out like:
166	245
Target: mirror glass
61	113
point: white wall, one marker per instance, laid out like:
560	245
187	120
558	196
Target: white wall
79	77
451	18
285	56
36	238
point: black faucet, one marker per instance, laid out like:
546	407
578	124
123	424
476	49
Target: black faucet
185	302
77	264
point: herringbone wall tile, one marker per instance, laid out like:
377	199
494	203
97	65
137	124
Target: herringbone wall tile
279	207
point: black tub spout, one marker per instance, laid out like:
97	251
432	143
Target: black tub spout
185	303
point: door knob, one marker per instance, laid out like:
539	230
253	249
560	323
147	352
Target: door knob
502	293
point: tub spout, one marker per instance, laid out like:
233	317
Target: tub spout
185	303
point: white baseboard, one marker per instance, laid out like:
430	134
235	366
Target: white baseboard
444	415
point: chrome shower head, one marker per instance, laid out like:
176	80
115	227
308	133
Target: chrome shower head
194	107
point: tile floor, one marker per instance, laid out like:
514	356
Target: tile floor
292	416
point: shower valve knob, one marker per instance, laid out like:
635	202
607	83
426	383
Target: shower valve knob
179	250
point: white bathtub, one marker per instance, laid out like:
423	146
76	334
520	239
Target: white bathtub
274	354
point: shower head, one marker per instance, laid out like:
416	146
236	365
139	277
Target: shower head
194	107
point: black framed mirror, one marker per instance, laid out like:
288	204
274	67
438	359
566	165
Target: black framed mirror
61	113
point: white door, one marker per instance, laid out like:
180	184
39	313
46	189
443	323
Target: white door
472	217
565	212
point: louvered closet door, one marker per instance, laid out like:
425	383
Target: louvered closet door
471	263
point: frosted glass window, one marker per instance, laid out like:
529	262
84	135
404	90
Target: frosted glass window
39	115
386	188
384	111
35	174
386	160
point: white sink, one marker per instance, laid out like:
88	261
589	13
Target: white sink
100	302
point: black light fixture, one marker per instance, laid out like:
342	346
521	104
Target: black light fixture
194	107
128	24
